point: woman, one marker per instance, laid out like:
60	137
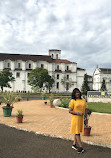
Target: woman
78	110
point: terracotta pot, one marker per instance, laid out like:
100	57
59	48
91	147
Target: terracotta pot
19	119
87	131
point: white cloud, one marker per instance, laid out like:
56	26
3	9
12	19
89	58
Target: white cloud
81	29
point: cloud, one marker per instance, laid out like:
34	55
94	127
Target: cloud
81	29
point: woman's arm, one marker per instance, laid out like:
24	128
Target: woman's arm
75	113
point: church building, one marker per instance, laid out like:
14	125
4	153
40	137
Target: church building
21	65
98	76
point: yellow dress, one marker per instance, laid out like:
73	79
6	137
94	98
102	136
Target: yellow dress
77	122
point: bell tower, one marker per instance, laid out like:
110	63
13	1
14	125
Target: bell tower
55	53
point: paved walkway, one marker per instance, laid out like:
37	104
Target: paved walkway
40	118
20	144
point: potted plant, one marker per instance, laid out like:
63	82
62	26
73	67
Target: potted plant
18	98
51	99
19	116
87	128
9	98
43	95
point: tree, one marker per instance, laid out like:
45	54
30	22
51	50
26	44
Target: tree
85	86
37	89
67	83
49	83
39	77
103	86
5	77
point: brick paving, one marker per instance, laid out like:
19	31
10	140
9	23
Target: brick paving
40	118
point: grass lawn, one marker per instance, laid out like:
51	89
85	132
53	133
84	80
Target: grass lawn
100	107
95	107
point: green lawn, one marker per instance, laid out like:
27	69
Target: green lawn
95	107
100	107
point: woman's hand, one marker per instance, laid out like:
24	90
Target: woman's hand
80	114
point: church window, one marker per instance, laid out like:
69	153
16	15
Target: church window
28	74
8	65
29	66
18	65
67	67
18	74
57	76
42	65
67	86
67	77
56	56
57	67
57	86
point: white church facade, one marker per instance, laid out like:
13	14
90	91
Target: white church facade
98	76
21	65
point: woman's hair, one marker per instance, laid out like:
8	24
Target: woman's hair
74	92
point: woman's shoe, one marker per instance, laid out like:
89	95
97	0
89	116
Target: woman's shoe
80	150
74	147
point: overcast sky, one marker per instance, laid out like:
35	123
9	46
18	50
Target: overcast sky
81	29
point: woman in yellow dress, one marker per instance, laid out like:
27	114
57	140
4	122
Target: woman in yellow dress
78	110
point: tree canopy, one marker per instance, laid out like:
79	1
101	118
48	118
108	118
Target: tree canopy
103	86
5	77
85	86
49	83
39	77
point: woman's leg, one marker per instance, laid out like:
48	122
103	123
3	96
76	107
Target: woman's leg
78	139
74	140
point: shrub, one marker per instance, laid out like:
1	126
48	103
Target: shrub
65	103
19	112
51	98
9	98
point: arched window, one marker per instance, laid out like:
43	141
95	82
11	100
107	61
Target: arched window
57	85
57	67
67	86
19	65
57	76
29	66
8	65
42	65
